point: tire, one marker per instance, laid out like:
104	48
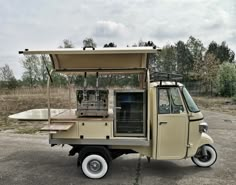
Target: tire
78	162
205	161
94	166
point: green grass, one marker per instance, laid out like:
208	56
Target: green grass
27	130
234	99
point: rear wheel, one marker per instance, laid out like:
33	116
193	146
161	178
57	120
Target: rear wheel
94	166
205	156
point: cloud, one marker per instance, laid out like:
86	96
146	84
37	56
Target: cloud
110	29
44	24
166	31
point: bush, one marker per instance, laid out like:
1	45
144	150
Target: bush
226	79
234	98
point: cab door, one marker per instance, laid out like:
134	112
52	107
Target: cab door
172	124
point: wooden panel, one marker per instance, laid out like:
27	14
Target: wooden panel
100	61
73	51
95	129
57	127
70	115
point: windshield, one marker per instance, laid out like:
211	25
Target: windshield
191	104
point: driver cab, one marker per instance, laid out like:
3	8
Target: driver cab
172	121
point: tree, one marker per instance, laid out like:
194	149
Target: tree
89	42
67	44
7	78
148	43
212	48
166	59
6	73
207	71
31	76
110	45
152	58
225	53
44	64
226	79
184	59
222	52
141	43
196	49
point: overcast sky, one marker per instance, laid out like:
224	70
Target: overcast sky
37	24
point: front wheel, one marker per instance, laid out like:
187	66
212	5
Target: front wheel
94	166
205	156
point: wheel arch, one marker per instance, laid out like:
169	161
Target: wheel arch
100	150
205	139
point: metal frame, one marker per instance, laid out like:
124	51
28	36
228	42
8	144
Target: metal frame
148	103
160	76
117	142
144	134
48	96
110	70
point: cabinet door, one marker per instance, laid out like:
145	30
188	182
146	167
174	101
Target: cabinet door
130	114
95	129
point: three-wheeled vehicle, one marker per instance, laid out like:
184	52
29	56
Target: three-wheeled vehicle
158	118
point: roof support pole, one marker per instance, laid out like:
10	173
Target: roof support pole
49	94
69	86
96	93
85	87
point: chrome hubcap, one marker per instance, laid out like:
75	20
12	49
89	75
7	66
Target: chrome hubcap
94	166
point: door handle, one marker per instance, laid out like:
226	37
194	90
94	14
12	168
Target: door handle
162	123
118	108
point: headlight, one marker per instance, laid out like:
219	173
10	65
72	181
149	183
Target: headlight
203	127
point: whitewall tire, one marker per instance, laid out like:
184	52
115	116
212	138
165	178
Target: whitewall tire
94	166
208	160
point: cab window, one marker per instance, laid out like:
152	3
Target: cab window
170	101
164	101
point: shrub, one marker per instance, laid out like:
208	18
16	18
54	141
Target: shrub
234	98
226	79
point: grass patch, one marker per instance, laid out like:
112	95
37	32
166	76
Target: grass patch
27	130
234	99
217	104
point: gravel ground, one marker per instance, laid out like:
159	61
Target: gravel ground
29	159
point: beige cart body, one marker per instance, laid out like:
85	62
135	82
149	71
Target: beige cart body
165	135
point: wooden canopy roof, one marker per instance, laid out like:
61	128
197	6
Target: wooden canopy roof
97	60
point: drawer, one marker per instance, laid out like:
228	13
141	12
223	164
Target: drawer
95	129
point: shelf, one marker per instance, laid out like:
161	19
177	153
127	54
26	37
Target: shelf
131	102
129	121
130	112
58	126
